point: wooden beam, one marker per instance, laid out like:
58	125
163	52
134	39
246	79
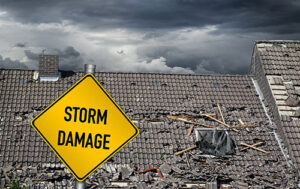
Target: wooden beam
243	124
220	111
252	146
192	122
246	126
185	150
256	144
156	168
190	130
222	123
210	114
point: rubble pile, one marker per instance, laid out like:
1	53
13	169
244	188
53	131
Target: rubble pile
36	176
182	166
176	173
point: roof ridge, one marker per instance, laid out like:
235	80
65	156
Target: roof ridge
277	41
153	73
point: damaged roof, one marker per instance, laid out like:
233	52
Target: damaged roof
164	107
276	65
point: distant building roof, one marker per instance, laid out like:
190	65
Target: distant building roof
276	65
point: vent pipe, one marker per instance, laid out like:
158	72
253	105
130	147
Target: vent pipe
89	68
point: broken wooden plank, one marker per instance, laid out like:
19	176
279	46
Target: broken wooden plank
178	118
156	168
256	148
191	122
210	114
159	173
190	130
185	150
256	144
246	126
243	124
220	111
222	123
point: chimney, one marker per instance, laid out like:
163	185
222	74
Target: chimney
48	68
89	68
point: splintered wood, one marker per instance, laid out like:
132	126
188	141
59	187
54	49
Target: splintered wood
185	119
222	123
185	150
246	126
156	168
253	146
256	144
212	115
220	111
190	130
243	124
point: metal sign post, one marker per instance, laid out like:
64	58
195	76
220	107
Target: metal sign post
79	185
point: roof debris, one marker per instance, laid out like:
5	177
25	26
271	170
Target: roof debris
253	146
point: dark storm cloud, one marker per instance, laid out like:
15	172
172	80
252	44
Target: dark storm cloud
273	16
69	58
20	45
236	24
7	63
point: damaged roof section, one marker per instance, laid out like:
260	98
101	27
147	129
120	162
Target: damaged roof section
276	65
168	109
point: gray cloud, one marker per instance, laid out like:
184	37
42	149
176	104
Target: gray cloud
7	63
31	55
214	59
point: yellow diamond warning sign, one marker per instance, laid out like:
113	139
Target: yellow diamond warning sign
84	127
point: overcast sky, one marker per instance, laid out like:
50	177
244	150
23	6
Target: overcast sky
169	36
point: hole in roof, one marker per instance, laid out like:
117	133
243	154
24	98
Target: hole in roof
166	144
65	74
252	176
248	87
156	84
231	109
164	85
214	142
286	55
194	85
